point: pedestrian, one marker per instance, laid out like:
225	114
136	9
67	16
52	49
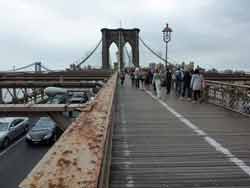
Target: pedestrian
132	77
157	82
142	78
122	77
178	81
137	77
196	85
147	79
168	81
186	84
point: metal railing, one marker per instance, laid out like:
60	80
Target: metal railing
82	156
231	96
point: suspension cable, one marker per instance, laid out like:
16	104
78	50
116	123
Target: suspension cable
21	68
90	54
45	68
153	52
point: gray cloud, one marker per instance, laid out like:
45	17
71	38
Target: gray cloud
211	33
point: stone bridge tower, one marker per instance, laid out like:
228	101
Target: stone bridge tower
120	37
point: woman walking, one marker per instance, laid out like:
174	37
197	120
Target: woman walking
196	85
157	82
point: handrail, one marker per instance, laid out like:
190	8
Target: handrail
226	84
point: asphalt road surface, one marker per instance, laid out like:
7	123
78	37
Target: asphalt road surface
18	160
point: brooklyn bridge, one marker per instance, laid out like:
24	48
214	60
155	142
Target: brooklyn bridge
121	136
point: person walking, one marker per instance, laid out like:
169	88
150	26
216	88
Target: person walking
186	84
122	77
132	77
196	85
178	81
157	82
142	78
168	81
147	79
137	77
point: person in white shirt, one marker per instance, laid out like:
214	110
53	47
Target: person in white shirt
196	84
157	82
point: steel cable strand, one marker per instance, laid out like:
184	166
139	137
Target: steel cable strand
152	51
90	54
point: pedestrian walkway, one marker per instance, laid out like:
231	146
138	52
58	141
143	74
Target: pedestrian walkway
173	143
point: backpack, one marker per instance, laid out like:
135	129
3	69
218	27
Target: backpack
179	75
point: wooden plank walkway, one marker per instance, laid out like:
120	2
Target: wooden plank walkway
173	143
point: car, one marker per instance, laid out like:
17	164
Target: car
44	131
78	98
11	128
58	99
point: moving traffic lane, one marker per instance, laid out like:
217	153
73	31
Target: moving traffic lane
18	161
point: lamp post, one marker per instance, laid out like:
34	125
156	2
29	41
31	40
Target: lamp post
167	38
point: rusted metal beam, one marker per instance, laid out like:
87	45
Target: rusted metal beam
78	157
43	84
83	73
96	75
70	79
32	108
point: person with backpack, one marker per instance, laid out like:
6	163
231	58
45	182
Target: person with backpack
178	81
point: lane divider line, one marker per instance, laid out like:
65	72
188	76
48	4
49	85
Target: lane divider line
11	146
212	142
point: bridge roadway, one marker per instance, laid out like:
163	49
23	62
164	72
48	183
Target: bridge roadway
174	143
18	160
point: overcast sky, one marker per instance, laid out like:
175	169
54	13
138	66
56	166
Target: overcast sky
212	33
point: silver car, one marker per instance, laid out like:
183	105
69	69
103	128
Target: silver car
11	128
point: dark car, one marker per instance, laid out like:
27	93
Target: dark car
44	131
78	98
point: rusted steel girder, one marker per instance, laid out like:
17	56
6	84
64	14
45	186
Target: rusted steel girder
9	108
43	84
77	159
83	73
49	78
52	110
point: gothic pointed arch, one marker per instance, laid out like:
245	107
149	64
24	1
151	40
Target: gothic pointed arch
120	37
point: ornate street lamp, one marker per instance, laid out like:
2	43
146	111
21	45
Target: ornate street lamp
167	38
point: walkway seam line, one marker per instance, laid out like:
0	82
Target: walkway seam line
212	142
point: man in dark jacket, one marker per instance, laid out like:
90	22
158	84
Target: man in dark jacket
186	84
168	80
